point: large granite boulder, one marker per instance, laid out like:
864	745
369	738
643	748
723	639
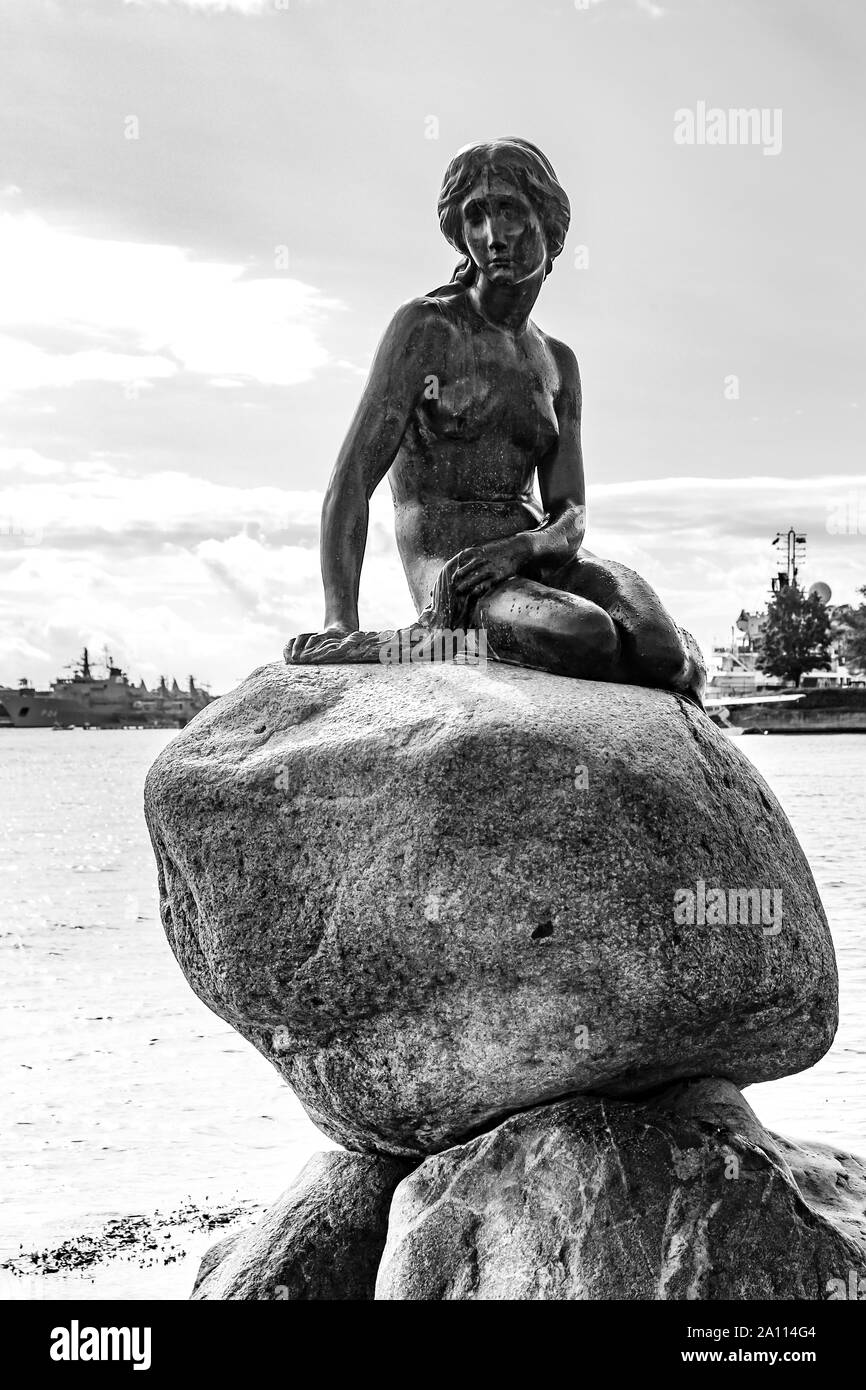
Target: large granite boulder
682	1197
433	895
322	1239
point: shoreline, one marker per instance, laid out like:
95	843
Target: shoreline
155	1256
151	1255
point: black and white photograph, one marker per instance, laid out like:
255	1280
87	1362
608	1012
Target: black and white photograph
433	668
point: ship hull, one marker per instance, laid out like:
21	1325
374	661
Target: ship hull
38	711
825	710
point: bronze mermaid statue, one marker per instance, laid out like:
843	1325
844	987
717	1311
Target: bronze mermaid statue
466	404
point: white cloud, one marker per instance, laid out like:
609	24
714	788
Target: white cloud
24	367
240	6
251	7
176	572
705	543
172	572
91	503
648	6
28	461
74	308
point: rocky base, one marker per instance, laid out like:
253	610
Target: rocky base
323	1239
443	899
685	1196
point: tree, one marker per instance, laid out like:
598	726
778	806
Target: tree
797	635
849	628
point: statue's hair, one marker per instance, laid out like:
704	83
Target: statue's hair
530	170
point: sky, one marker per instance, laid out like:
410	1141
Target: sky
210	209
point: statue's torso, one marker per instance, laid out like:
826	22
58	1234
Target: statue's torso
484	420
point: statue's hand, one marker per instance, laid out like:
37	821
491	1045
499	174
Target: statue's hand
481	566
337	643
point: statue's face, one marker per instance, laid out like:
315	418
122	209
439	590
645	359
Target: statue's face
502	231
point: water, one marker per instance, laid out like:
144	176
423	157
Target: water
125	1094
820	780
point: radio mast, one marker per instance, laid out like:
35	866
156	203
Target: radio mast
795	553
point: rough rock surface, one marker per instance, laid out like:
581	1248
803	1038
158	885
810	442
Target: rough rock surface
322	1240
682	1197
434	895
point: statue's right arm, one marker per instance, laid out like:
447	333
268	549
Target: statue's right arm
407	355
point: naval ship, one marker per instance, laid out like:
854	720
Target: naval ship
84	700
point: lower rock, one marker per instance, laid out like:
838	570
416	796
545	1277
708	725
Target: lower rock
685	1196
322	1239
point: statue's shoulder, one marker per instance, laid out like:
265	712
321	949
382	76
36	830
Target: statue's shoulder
564	357
420	320
435	305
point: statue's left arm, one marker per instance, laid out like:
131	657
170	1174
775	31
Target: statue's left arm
560	476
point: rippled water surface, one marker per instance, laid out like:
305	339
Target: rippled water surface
127	1094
